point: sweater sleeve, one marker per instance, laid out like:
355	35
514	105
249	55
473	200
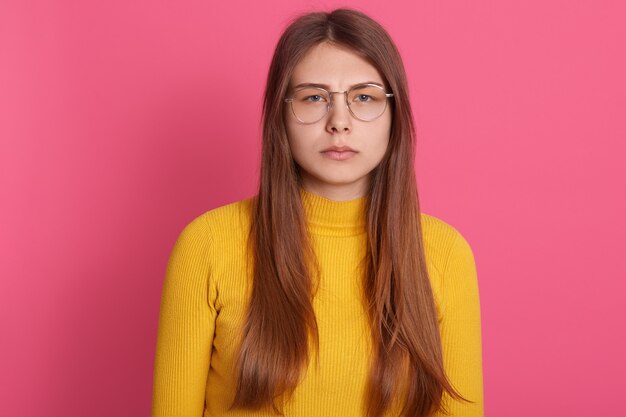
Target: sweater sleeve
460	331
186	326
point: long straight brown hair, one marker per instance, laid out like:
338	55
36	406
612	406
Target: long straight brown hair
274	345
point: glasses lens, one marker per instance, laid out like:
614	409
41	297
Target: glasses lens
309	104
367	102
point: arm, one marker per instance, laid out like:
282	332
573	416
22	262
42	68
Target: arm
186	326
460	331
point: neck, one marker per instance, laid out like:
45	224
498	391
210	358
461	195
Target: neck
334	218
335	192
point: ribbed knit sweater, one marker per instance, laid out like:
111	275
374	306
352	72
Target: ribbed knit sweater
206	290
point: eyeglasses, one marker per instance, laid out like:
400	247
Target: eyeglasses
366	102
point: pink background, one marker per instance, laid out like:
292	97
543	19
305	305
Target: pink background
121	121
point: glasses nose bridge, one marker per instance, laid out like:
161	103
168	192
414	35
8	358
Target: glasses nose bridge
330	100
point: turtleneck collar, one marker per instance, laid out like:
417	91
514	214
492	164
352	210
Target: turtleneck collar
334	218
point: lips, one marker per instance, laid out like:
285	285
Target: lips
339	149
339	155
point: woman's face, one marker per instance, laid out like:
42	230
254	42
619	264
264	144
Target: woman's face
346	178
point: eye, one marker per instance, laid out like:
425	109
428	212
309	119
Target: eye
363	98
314	98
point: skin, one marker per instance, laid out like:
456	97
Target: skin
339	68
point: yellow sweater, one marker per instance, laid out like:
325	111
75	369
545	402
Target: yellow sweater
205	295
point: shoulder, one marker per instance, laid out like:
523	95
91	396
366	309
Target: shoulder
445	248
443	241
450	259
229	218
217	225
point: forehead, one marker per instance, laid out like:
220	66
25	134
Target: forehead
336	66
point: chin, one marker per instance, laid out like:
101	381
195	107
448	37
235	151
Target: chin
339	180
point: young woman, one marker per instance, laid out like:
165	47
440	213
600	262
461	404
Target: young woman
328	293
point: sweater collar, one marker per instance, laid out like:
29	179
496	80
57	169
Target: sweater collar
334	218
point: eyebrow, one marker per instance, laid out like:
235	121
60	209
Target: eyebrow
327	87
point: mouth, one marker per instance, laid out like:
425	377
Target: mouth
339	149
338	155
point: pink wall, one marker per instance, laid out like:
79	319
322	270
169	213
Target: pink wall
121	121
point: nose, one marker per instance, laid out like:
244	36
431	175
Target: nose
339	118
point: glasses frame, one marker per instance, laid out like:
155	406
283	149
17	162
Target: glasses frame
330	101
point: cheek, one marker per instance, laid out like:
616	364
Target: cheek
379	139
299	136
300	142
386	131
292	133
